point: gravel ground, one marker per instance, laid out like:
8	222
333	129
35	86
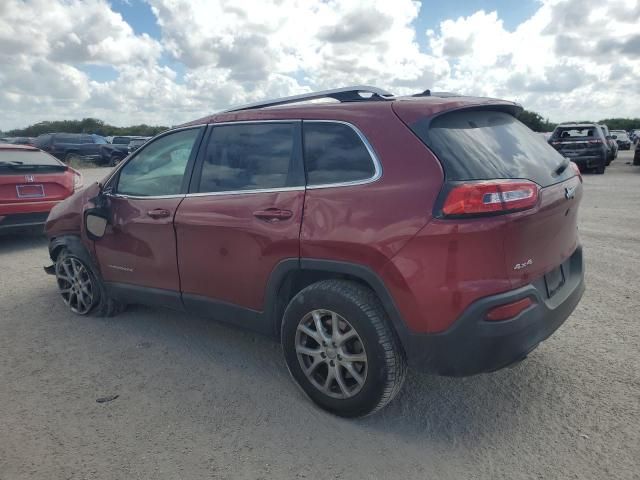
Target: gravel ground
201	400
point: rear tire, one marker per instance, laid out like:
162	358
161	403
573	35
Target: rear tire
81	288
115	160
340	348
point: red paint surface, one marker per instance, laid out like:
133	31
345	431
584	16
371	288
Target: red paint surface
226	253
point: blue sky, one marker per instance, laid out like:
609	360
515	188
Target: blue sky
112	60
138	14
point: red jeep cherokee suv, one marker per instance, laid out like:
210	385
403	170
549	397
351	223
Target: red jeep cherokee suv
367	234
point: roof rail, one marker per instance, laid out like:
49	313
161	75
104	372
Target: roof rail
345	94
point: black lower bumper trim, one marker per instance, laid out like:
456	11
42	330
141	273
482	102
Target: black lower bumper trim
475	345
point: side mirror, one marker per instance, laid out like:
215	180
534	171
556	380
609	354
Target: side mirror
95	223
96	219
609	137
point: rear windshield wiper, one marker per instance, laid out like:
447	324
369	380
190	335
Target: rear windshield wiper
562	167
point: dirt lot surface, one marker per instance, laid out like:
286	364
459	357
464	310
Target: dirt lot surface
198	399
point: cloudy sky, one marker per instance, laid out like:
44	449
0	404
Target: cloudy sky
169	61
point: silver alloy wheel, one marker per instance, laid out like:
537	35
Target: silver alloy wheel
331	354
75	284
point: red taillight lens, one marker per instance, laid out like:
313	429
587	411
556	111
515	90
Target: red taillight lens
510	310
496	196
576	170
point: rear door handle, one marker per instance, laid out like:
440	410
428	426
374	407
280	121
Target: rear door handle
159	213
273	214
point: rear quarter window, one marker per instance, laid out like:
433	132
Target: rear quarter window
334	153
485	145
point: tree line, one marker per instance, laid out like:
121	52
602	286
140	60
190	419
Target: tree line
86	125
533	120
537	123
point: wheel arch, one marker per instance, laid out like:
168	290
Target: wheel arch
292	276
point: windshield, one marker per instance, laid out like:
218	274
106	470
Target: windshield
99	140
121	140
484	145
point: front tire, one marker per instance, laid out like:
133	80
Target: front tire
340	348
81	288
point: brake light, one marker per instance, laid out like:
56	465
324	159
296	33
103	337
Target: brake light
510	310
486	197
576	170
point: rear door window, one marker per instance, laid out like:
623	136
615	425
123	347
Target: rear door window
334	153
485	145
252	156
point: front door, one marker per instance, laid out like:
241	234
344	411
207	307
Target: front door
139	247
242	215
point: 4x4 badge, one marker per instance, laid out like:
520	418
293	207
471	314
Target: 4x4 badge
570	192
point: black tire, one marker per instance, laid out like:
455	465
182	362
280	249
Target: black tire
115	160
600	170
70	158
102	305
361	308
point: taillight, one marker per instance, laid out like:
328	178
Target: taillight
490	197
576	170
510	310
77	179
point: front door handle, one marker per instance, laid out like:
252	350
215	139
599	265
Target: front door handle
273	214
159	213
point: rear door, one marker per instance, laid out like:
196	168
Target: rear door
243	213
139	247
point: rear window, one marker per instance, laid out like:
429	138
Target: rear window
120	140
485	145
334	153
19	160
575	132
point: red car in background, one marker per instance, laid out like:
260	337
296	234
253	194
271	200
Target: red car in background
31	183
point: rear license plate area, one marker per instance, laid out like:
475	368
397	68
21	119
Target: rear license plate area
30	191
554	280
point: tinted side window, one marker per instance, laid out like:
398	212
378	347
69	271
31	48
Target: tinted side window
68	138
158	169
334	153
252	156
43	140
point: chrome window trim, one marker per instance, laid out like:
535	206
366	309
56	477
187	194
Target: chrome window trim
150	197
377	174
300	188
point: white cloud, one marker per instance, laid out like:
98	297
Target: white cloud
564	61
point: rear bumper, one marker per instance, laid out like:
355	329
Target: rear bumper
589	162
20	220
475	345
